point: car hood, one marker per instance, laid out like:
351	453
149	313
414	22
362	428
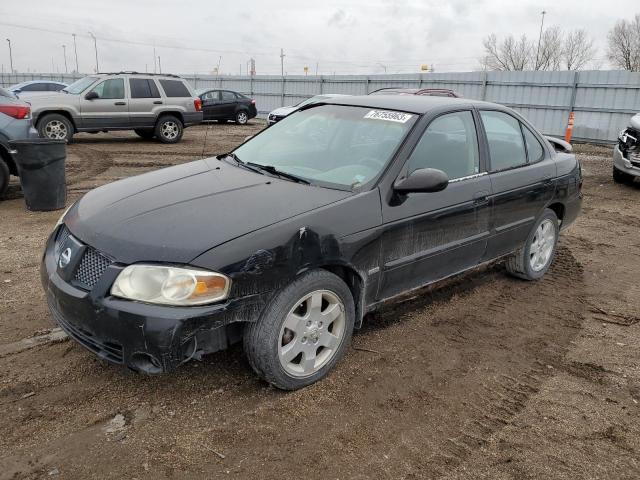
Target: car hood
283	111
178	213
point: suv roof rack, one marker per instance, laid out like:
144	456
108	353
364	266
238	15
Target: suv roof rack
132	72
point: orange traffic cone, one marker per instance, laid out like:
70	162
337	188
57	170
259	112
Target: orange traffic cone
569	132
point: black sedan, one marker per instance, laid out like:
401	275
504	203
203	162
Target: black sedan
288	241
224	105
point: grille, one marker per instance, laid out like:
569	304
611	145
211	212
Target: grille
92	266
108	350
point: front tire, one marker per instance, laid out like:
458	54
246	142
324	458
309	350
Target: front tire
533	260
621	177
303	332
169	129
55	127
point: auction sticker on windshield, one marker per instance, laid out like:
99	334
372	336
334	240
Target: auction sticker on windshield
389	116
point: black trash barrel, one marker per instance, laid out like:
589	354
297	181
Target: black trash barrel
41	164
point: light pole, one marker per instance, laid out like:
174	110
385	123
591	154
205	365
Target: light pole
540	38
75	49
64	53
10	55
383	66
95	46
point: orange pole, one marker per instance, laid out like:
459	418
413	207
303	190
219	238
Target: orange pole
569	132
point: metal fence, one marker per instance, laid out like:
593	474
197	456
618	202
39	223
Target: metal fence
603	101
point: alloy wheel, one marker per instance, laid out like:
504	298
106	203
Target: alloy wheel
170	130
542	245
56	130
312	333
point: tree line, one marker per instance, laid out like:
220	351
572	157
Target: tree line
557	49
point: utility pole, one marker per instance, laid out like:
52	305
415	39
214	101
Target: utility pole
155	62
540	39
64	53
218	67
282	55
317	64
75	49
159	64
95	46
10	56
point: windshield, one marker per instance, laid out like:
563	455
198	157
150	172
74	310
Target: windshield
330	144
80	86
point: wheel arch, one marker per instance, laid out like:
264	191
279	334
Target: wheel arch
64	113
6	157
559	209
175	113
354	281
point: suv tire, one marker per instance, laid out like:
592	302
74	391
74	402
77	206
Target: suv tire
242	117
146	133
55	127
621	177
169	129
533	260
4	176
319	308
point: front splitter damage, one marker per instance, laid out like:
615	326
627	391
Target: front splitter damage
629	144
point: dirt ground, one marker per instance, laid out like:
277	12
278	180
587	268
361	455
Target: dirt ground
487	377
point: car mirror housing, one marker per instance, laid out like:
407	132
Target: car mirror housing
423	180
92	95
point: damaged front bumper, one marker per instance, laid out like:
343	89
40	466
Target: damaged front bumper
147	338
626	154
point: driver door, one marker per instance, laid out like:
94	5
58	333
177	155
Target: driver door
109	109
429	236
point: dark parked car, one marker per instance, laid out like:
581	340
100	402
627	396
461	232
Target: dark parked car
224	105
15	124
431	92
36	87
289	240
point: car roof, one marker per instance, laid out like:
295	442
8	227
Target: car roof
408	103
31	82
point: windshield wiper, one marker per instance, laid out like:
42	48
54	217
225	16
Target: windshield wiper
241	163
274	171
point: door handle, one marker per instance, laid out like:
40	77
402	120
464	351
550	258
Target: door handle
547	179
481	197
120	103
157	102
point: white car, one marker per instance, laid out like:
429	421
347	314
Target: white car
279	113
36	87
626	154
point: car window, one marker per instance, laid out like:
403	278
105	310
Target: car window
80	86
110	89
331	144
174	88
535	152
33	87
227	95
450	144
143	88
506	146
55	87
212	95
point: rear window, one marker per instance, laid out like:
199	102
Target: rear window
174	88
143	88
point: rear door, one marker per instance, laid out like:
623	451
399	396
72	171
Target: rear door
228	103
144	99
522	174
211	105
109	110
429	236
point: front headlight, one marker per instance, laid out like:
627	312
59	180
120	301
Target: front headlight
170	285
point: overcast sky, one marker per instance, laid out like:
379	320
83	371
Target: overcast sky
348	36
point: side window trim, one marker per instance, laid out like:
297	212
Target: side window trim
526	146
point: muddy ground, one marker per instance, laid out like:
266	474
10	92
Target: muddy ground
487	377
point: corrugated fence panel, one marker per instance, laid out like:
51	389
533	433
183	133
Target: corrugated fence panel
603	101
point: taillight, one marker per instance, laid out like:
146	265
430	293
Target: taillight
198	104
16	111
253	101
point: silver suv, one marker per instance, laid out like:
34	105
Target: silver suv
158	106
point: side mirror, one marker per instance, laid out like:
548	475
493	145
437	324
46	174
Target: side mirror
92	95
17	90
423	180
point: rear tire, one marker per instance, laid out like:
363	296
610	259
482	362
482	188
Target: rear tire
533	260
4	177
147	134
55	127
242	117
621	177
319	309
169	129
